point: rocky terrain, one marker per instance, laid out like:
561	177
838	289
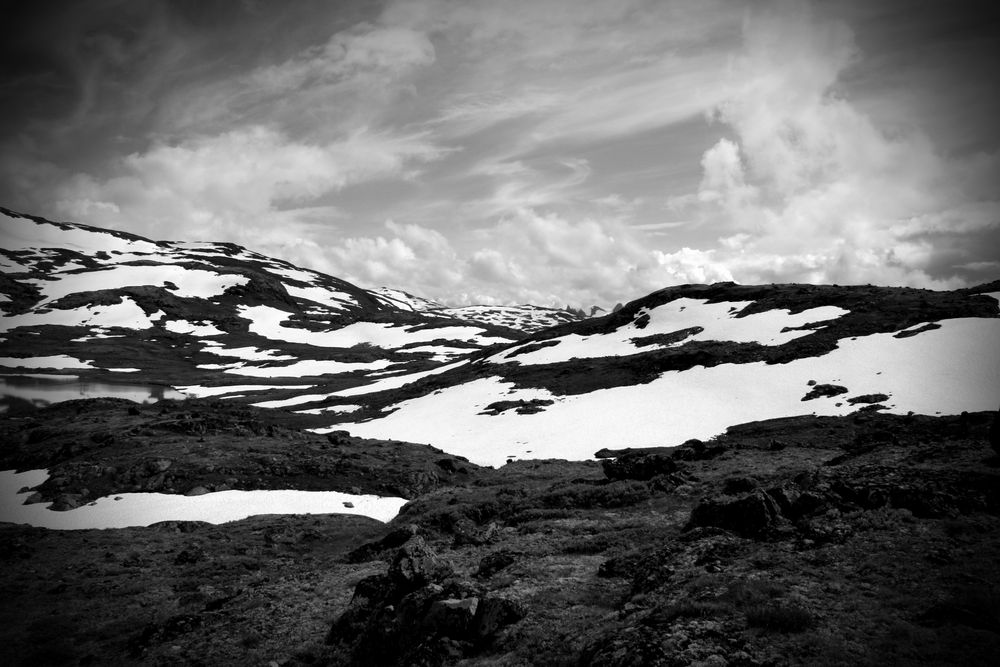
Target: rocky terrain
709	475
869	539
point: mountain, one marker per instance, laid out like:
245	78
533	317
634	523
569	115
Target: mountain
709	475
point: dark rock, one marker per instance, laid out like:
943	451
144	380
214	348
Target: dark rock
639	466
189	556
868	398
995	432
393	540
452	618
824	390
196	491
416	564
737	485
494	614
696	450
492	563
338	437
930	326
754	515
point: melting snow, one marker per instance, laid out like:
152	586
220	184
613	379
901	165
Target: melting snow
717	319
26	234
268	322
190	283
199	391
946	370
247	353
143	509
57	361
185	327
126	313
308	367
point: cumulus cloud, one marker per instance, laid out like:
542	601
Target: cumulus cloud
526	257
811	189
233	186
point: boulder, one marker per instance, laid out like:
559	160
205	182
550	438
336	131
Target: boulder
753	515
639	466
416	565
451	617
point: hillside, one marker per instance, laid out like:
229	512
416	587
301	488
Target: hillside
285	468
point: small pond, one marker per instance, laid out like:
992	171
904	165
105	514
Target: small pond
24	392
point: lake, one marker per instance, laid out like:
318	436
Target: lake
26	391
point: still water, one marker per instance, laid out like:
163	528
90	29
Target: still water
25	391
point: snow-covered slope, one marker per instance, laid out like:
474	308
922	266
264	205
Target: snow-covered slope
203	315
688	362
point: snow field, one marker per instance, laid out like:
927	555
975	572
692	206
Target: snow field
717	319
307	368
143	509
55	361
199	391
126	313
942	371
191	283
201	329
26	234
268	322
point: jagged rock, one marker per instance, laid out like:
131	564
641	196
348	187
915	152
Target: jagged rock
416	564
736	485
753	515
696	450
639	466
868	398
494	614
452	618
393	540
824	390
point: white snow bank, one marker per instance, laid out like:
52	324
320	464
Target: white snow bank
55	361
717	319
395	382
308	367
26	234
328	297
942	371
199	391
142	509
330	408
185	327
247	353
268	322
125	313
195	283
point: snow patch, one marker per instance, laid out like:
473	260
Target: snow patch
143	509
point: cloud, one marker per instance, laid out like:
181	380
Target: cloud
809	188
233	186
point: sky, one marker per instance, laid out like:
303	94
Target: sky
549	152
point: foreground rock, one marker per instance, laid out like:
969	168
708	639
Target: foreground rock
871	539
